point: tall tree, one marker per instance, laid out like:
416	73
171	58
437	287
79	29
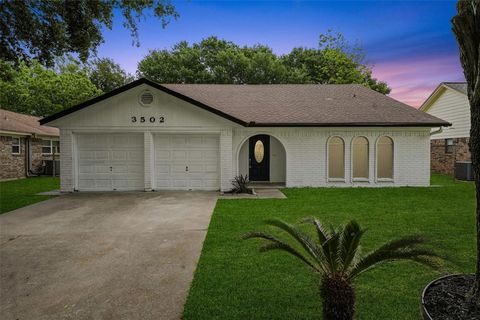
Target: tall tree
36	90
215	60
107	75
466	27
45	29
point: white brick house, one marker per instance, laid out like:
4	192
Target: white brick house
146	136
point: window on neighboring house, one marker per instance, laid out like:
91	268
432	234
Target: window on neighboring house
50	146
449	146
360	158
336	158
16	146
385	158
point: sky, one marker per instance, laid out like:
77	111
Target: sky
408	44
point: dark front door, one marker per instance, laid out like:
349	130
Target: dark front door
259	158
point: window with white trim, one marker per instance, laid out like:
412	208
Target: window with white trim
16	146
336	158
50	146
385	158
360	158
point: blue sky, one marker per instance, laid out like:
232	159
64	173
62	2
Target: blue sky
409	44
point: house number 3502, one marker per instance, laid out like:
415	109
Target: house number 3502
142	119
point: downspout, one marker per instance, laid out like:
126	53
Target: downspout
28	157
437	131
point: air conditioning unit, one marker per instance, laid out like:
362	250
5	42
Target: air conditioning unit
464	170
48	167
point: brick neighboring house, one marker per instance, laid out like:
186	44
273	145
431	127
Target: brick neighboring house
25	145
449	146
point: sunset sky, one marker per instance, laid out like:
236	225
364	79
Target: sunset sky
409	44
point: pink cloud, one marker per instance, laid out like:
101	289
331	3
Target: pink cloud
412	80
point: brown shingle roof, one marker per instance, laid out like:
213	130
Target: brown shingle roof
323	105
287	104
24	124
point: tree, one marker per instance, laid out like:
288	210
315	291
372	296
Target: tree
215	60
335	256
466	27
107	75
36	90
46	29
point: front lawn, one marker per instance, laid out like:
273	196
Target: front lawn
234	281
20	193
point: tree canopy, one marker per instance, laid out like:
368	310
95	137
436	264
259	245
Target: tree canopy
214	60
106	74
36	90
44	30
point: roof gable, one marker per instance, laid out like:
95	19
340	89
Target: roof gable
126	110
458	87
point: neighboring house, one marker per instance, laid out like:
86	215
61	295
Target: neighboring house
147	136
449	146
25	145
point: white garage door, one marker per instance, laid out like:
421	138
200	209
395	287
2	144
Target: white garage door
186	162
110	162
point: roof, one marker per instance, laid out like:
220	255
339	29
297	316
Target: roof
286	105
460	87
24	124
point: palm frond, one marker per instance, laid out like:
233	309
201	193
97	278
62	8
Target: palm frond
409	252
330	249
325	252
322	234
304	239
289	249
278	244
349	243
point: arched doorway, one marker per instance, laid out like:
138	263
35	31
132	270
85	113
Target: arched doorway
263	158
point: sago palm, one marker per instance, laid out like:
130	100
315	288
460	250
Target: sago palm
337	258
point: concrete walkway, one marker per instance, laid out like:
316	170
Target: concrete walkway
102	256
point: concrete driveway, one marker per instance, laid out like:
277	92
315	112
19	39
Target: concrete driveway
102	256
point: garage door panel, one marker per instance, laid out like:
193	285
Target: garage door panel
173	153
179	155
180	183
178	142
162	169
110	161
119	155
177	169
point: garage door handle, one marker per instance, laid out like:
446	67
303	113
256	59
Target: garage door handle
186	168
111	168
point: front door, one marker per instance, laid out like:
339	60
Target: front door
259	158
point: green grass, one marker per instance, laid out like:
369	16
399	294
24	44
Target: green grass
20	193
234	281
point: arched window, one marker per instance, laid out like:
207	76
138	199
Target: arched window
360	158
336	158
385	158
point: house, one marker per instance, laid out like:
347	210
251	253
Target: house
148	136
449	146
25	145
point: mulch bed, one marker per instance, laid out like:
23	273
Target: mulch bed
445	299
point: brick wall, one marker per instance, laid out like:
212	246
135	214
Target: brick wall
442	162
14	166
